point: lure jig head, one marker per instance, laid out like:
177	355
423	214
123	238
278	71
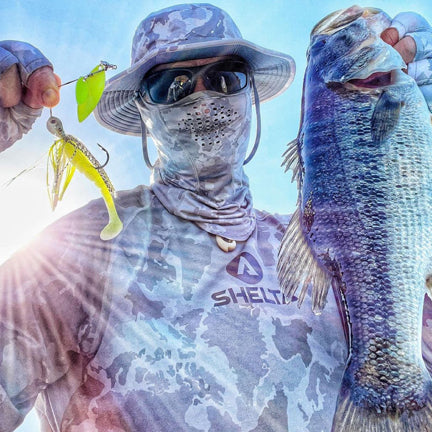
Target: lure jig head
55	126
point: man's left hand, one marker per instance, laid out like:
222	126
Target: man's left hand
411	35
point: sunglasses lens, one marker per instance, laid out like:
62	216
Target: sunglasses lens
170	85
227	77
227	82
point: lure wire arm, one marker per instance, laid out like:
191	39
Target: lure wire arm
103	66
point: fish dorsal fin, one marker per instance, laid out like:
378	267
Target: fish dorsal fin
292	160
385	116
297	266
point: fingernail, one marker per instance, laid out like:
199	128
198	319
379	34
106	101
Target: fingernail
50	97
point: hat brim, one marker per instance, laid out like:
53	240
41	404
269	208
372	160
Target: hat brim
273	73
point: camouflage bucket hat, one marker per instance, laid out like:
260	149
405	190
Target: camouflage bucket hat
186	32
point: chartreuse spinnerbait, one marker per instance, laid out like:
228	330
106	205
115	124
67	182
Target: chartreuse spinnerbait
68	153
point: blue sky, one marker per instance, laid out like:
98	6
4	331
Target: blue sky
76	35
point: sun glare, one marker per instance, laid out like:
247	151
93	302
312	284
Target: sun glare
28	211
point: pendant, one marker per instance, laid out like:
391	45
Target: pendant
225	244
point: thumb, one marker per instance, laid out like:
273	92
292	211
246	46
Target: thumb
43	88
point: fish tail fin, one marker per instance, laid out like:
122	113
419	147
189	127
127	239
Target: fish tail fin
354	417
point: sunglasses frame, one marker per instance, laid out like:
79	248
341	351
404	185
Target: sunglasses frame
192	77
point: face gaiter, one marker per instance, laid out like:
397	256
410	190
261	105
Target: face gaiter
202	142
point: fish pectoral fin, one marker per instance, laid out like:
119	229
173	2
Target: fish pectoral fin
385	116
297	266
292	160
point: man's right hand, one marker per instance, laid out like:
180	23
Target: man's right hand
27	84
29	79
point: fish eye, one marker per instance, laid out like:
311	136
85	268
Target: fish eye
319	42
317	45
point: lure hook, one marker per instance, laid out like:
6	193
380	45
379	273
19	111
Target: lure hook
107	157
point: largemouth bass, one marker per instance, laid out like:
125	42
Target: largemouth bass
363	163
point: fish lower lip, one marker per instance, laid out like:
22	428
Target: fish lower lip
376	80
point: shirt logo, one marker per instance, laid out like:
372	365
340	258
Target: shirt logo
246	268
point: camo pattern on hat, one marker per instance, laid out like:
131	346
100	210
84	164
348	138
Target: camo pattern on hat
185	32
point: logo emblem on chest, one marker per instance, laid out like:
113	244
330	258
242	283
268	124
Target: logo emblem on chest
246	268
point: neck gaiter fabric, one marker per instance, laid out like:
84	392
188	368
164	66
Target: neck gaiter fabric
202	142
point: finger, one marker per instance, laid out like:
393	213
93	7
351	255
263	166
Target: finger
407	48
10	87
390	36
10	82
42	89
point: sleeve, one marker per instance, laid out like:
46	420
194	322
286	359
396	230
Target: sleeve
16	121
51	301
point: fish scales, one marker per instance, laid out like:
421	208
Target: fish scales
365	198
383	231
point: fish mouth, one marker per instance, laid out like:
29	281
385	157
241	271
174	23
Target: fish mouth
374	81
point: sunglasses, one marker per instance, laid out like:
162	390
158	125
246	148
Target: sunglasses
171	85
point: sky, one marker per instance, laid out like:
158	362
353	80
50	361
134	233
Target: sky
76	35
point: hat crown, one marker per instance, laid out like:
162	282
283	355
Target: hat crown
180	25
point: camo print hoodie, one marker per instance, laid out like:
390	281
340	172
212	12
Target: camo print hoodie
160	330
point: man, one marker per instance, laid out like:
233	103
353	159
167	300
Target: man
178	323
